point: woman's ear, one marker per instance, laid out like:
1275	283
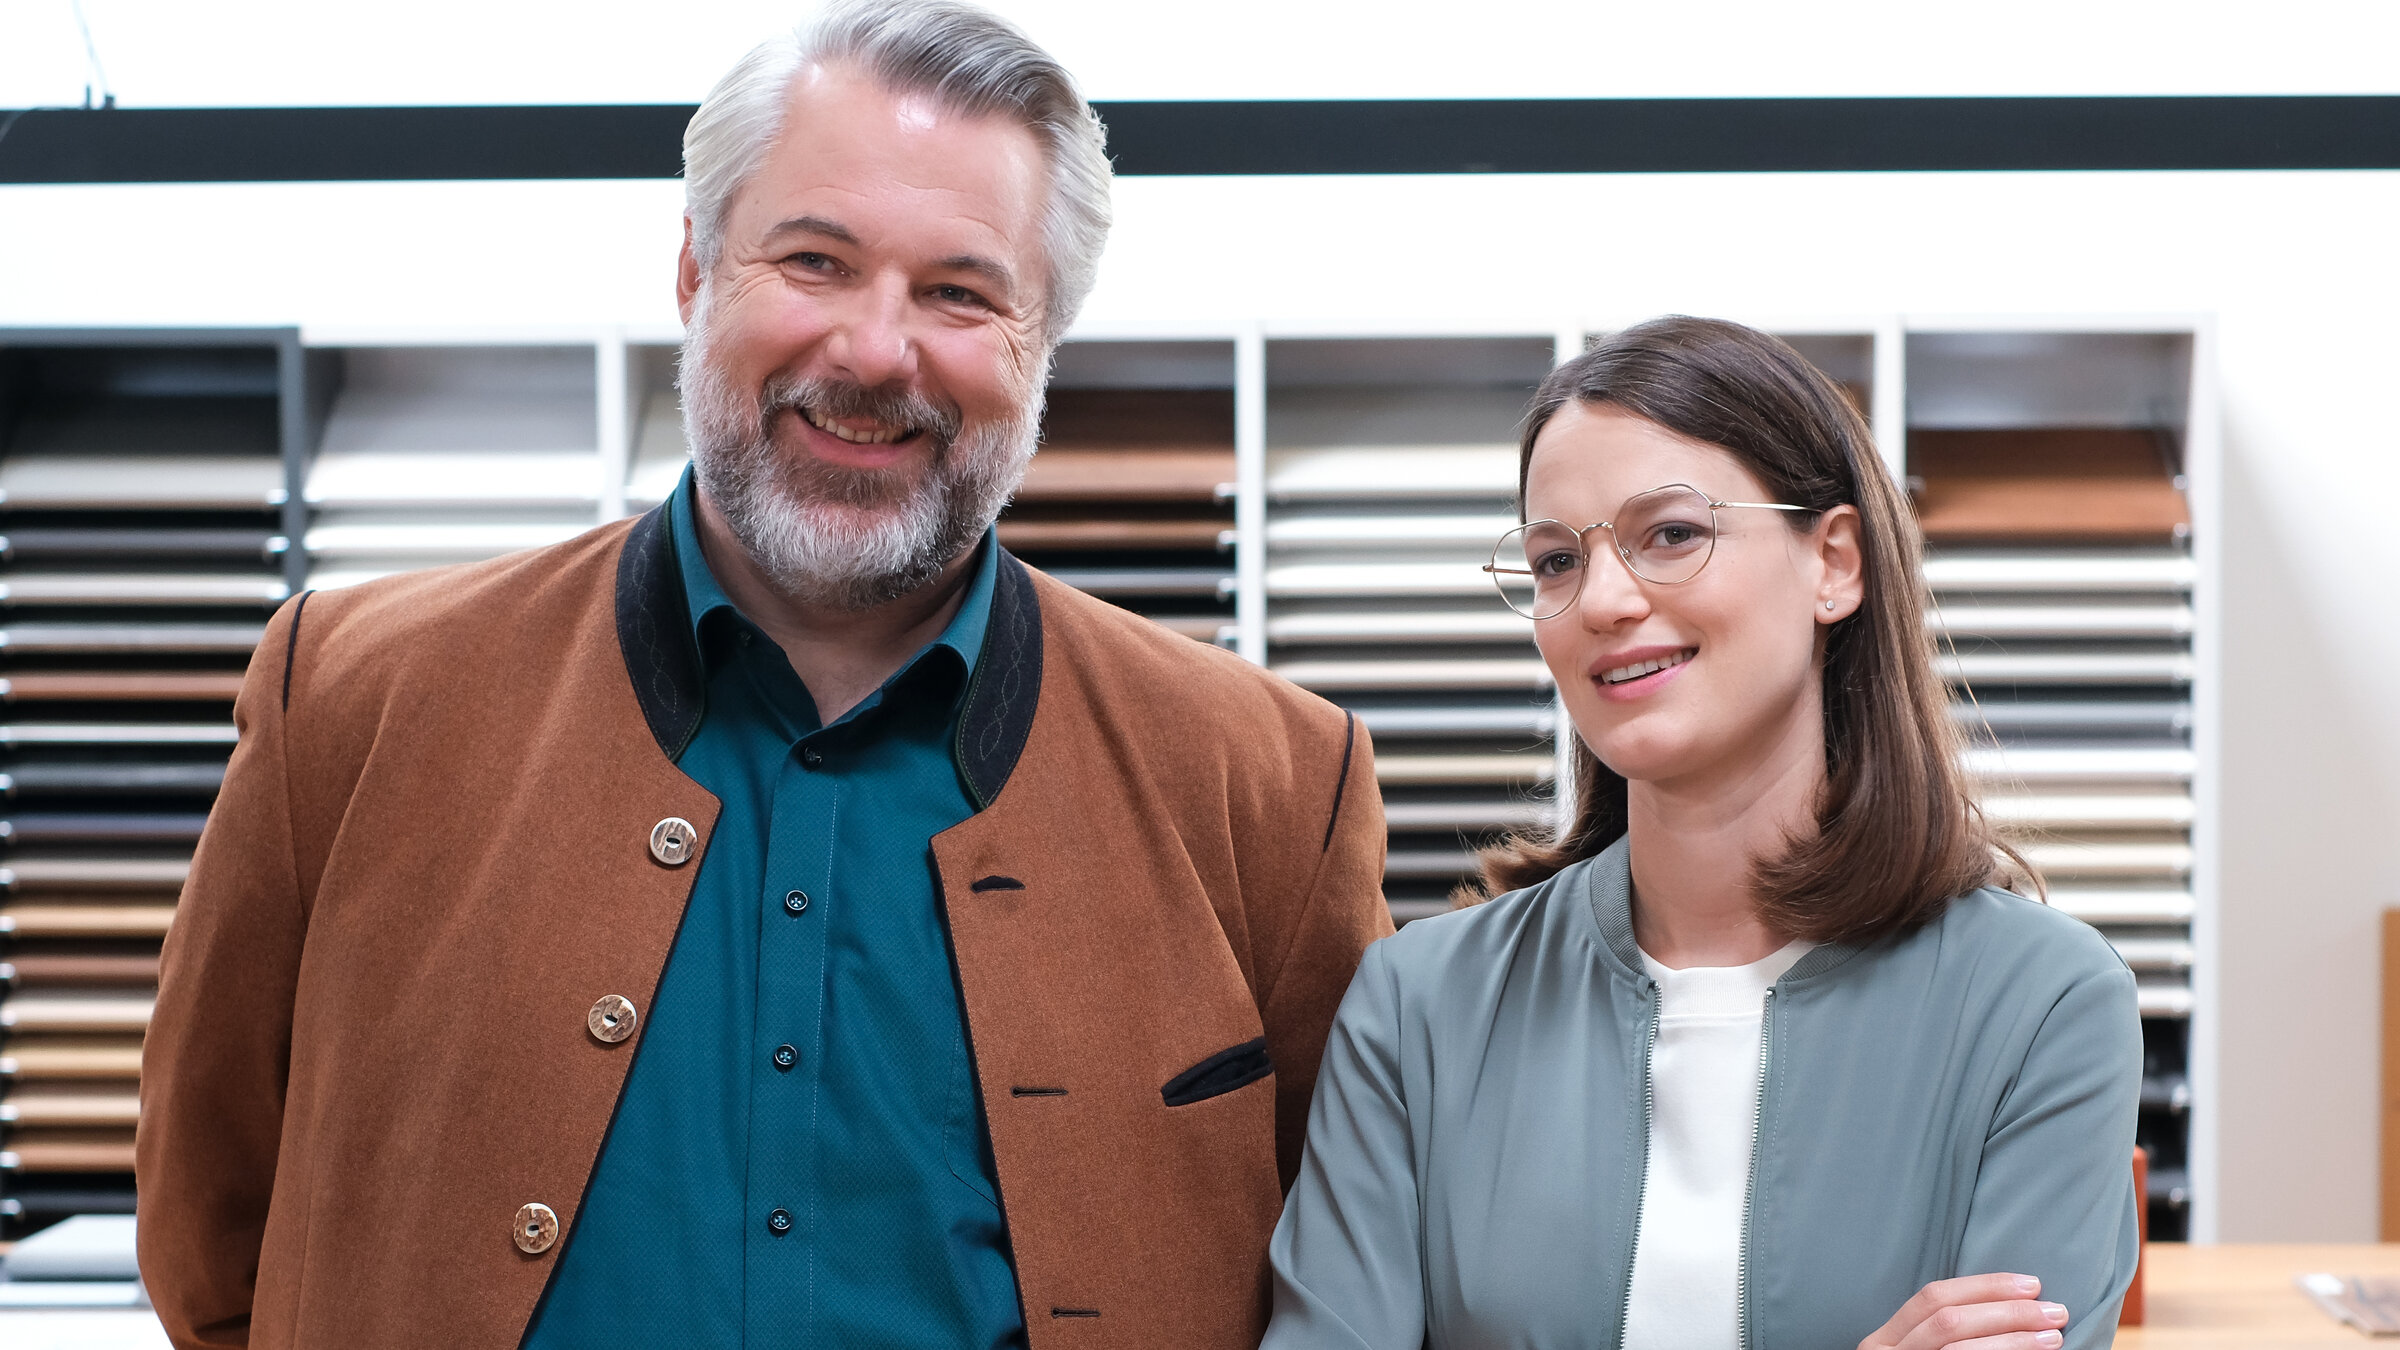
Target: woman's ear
1841	566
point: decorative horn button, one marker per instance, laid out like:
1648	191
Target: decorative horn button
612	1019
672	841
537	1229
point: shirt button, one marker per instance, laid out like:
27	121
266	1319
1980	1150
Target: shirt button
796	901
611	1019
672	840
786	1056
811	757
779	1222
537	1229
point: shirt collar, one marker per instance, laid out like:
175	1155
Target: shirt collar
963	635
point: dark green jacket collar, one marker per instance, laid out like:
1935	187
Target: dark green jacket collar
662	658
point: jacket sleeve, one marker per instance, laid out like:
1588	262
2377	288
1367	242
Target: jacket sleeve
2054	1198
216	1058
1342	912
1344	1255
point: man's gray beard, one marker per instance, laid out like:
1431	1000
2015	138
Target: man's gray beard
816	529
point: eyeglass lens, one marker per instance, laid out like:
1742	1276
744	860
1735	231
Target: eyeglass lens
1665	536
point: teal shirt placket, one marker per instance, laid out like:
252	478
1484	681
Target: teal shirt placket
815	923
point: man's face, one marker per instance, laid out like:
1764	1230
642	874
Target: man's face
861	384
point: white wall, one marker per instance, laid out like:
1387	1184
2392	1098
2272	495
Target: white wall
2298	268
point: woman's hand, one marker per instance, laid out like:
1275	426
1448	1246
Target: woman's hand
1974	1312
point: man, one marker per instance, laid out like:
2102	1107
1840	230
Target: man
784	919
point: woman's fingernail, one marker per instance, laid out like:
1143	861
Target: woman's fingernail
2056	1312
2026	1284
2048	1340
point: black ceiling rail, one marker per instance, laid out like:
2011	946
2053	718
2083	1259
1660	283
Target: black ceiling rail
1420	136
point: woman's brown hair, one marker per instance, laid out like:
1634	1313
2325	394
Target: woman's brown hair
1898	832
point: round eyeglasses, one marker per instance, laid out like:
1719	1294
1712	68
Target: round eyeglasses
1664	536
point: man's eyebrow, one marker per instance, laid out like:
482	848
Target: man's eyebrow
994	272
816	225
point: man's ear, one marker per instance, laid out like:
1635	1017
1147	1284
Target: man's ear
1841	564
687	276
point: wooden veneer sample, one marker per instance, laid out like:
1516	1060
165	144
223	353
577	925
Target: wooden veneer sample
2064	485
1100	535
47	970
114	687
68	1151
93	1057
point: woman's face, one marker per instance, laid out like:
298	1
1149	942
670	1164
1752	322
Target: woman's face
1737	648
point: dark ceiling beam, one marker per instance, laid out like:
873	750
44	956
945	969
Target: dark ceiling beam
1776	135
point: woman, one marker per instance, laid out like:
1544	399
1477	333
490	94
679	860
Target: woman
1753	1055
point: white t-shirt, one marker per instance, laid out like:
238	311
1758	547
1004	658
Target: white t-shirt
1704	1106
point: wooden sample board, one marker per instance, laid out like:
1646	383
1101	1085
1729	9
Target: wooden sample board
2244	1297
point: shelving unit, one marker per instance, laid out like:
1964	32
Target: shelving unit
2049	473
144	488
1391	467
438	454
1319	499
1131	495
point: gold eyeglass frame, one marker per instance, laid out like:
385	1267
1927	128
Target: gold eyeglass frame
1617	546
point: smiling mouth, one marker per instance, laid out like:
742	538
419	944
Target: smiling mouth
1625	674
874	433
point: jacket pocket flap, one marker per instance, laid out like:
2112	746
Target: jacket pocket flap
1219	1074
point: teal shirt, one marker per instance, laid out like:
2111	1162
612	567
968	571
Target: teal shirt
799	1157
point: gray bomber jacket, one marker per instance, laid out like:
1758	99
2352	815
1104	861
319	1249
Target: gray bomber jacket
1957	1100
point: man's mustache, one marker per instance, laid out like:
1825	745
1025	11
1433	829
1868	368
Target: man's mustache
890	405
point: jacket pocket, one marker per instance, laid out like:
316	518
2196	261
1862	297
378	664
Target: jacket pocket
1219	1074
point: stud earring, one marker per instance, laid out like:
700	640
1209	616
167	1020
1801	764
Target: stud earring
1829	604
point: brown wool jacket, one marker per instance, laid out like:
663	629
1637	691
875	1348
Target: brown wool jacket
432	857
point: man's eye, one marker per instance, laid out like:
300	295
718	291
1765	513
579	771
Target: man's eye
957	295
815	262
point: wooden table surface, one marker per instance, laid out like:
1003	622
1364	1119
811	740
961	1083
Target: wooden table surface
2217	1298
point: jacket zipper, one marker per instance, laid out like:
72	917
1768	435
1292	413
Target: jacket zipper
1758	1115
1641	1185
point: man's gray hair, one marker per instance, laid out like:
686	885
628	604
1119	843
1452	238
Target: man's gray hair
970	61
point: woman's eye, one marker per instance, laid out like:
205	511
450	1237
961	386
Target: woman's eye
1676	534
1556	564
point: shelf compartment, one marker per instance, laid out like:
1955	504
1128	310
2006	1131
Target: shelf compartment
72	1058
67	1014
141	482
2012	622
2123	906
135	588
41	970
2046	484
2056	859
68	1151
1505	770
56	1107
17	735
95	874
2050	571
1075	536
1525	674
1201	477
131	639
121	687
2068	667
40	544
1529	722
27	921
2091	811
